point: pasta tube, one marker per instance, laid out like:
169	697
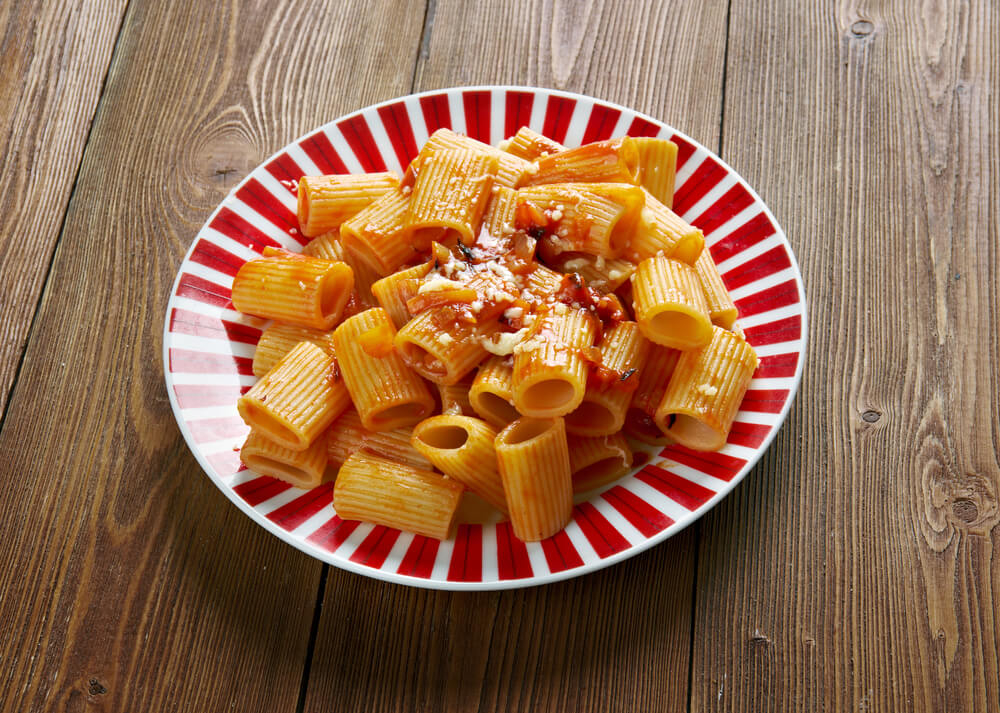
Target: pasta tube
347	435
721	308
462	448
386	393
550	373
449	197
293	288
455	398
613	160
303	469
297	399
533	458
510	168
606	275
660	230
657	167
492	395
531	145
328	247
279	339
439	348
706	390
377	490
376	234
609	390
653	379
669	303
392	291
327	201
596	218
596	462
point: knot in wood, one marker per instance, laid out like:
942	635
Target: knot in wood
96	688
965	510
862	28
871	416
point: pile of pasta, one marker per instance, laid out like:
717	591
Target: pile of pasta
498	321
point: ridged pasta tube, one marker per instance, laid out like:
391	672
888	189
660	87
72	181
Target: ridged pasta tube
706	390
297	399
462	447
533	457
378	490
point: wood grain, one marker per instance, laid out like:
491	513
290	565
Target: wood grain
127	581
616	640
857	568
53	59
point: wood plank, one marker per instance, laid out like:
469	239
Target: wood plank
857	568
53	59
127	581
615	640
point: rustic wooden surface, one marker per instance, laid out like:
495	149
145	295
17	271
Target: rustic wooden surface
53	60
855	568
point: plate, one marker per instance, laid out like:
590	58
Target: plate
208	347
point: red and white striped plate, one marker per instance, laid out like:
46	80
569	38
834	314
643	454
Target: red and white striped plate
208	346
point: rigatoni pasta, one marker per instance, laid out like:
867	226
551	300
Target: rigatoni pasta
721	309
328	246
613	160
396	495
550	372
324	202
304	469
596	461
657	168
462	447
705	391
385	391
609	391
280	338
492	391
670	303
524	293
293	288
449	196
533	458
297	399
348	435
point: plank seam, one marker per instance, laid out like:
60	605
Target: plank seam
424	51
300	704
62	224
698	523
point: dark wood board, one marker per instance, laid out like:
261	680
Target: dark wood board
856	568
127	581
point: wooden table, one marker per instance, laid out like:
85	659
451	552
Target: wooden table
857	568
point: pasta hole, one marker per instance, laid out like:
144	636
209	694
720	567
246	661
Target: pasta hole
593	417
675	324
548	394
399	414
421	238
445	437
264	422
422	360
526	429
303	204
497	407
599	473
283	471
693	433
331	295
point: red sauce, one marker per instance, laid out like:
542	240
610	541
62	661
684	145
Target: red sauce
608	308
